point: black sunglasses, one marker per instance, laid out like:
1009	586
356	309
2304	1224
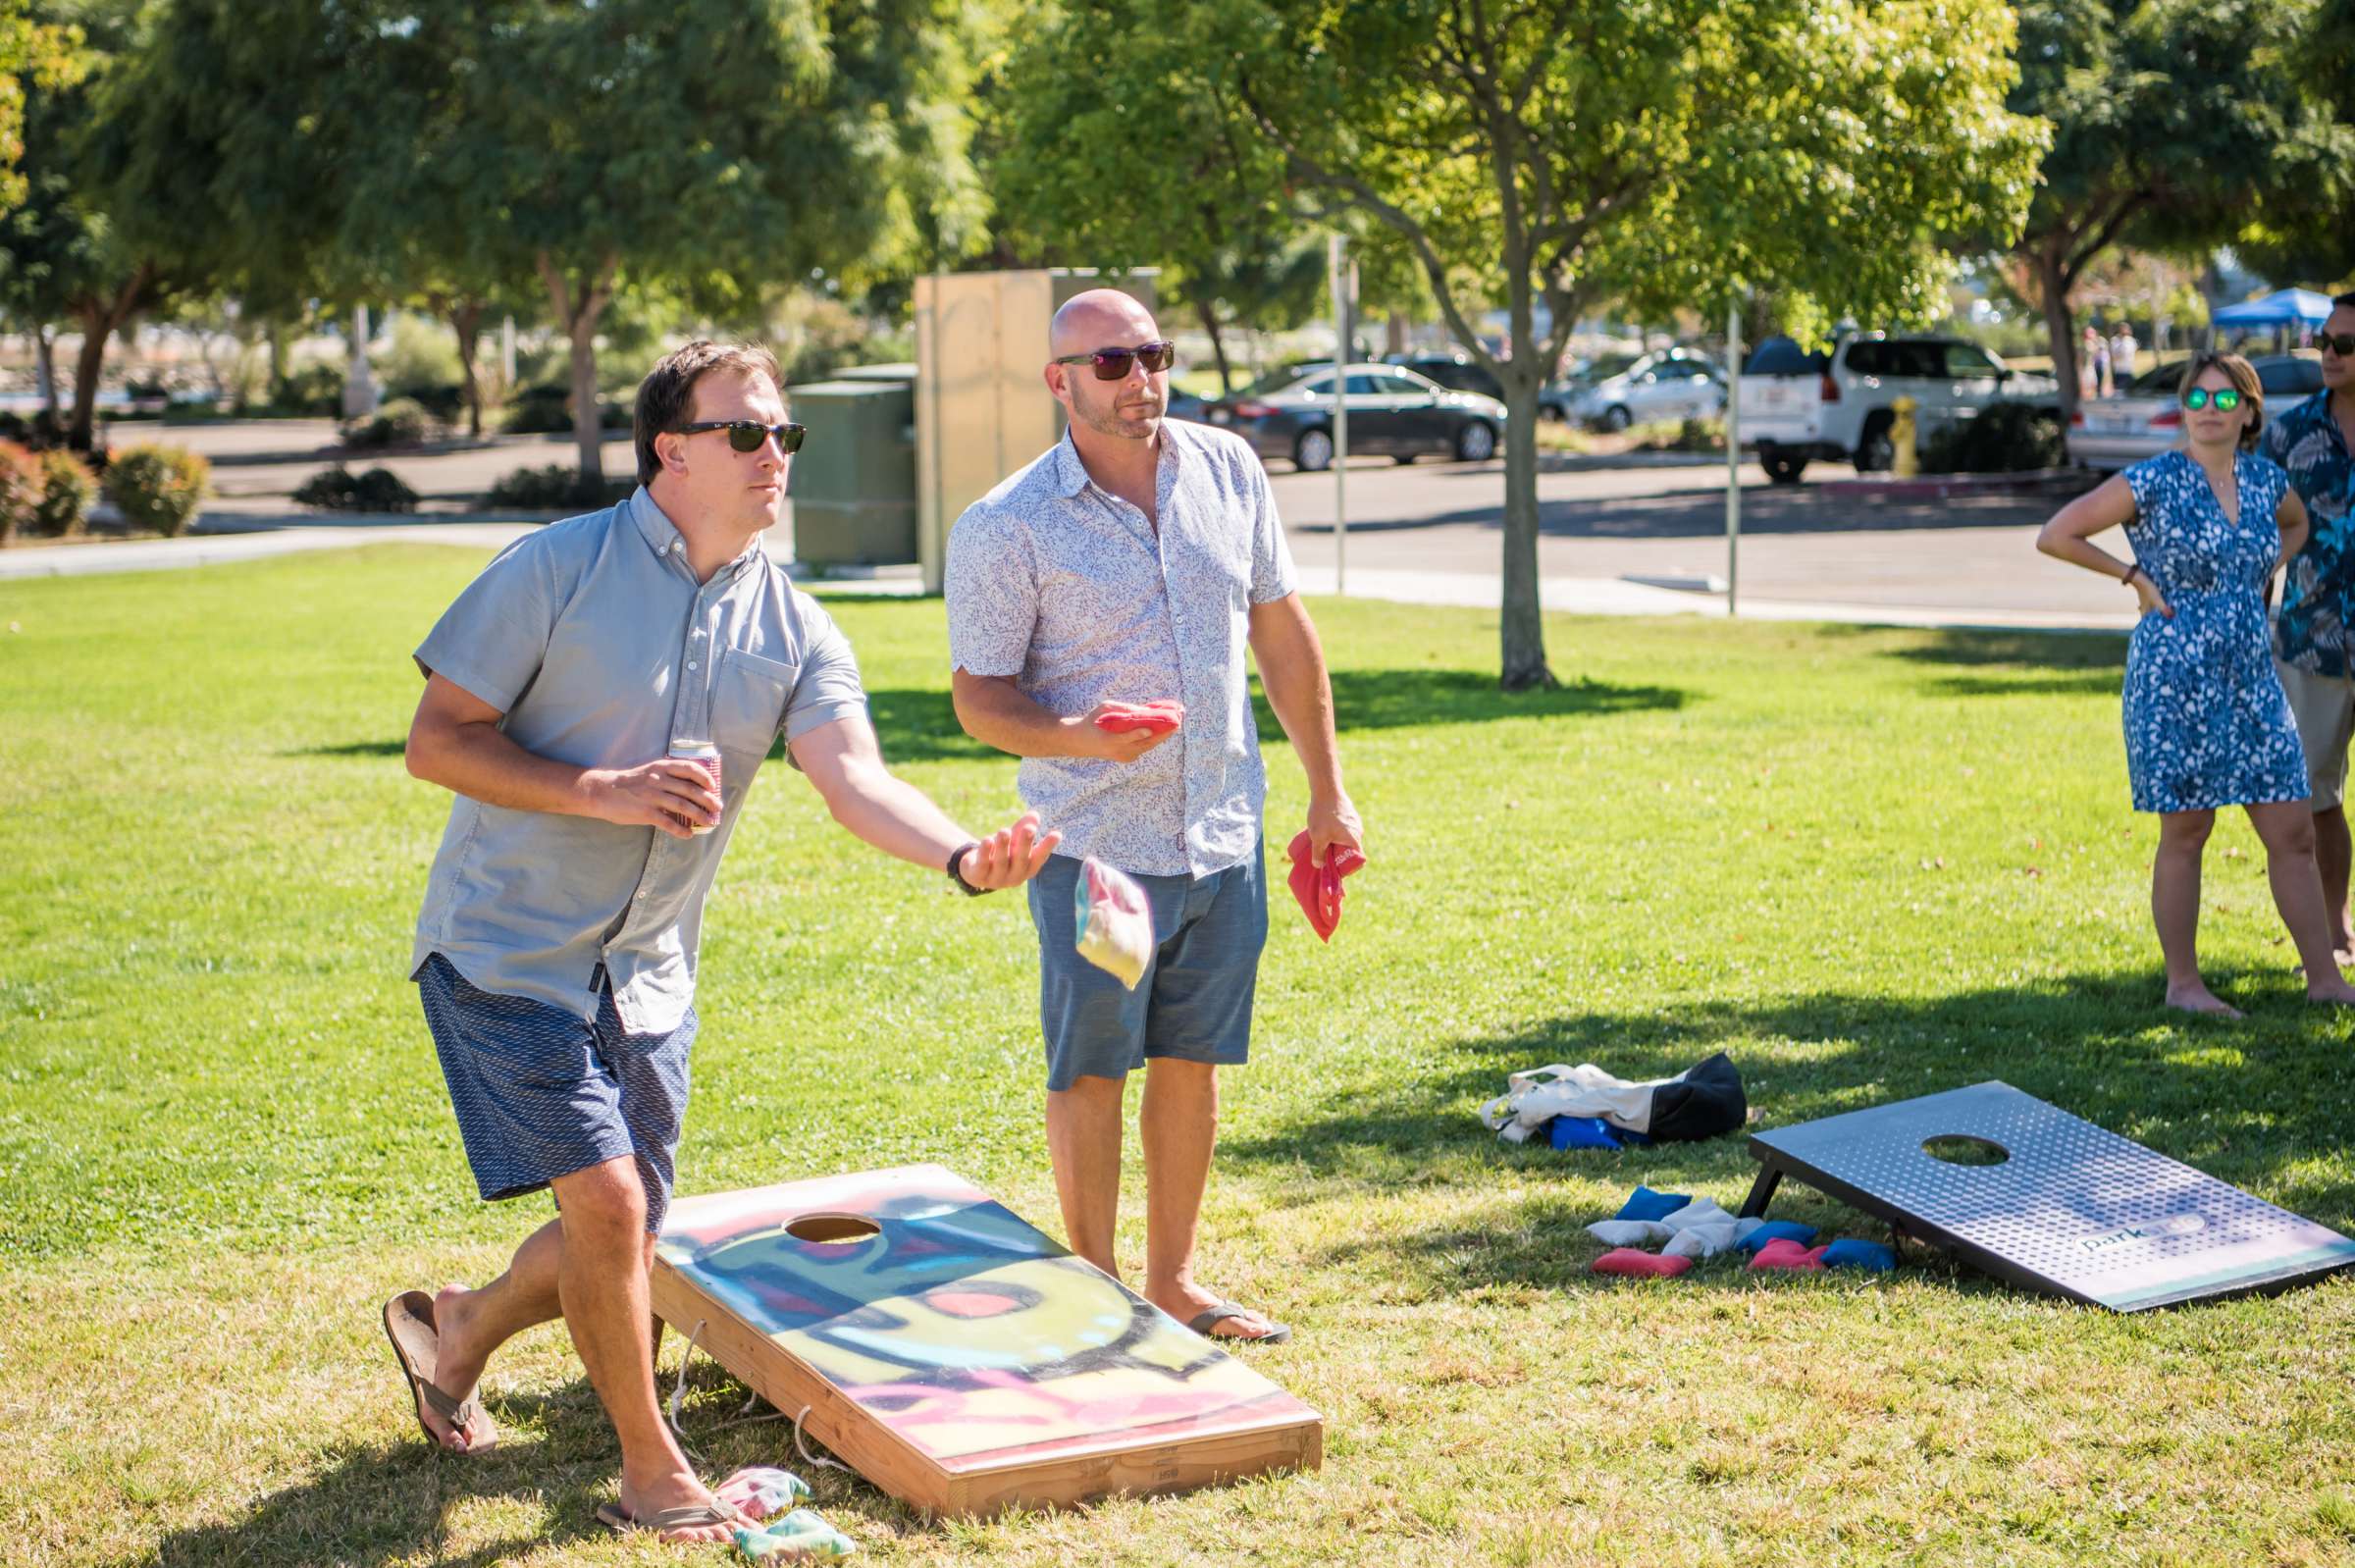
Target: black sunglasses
2342	343
1112	364
747	435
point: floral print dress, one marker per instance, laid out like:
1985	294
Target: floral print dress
2206	723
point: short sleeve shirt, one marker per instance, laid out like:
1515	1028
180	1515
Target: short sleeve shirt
594	640
2318	599
1070	591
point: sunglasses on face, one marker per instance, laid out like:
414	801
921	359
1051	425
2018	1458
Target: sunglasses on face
747	435
2342	343
2199	398
1112	364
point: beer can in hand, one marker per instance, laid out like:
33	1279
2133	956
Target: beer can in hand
705	756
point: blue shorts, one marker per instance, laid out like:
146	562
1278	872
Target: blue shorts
541	1094
1194	1001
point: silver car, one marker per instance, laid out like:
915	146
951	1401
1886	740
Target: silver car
1673	385
2110	432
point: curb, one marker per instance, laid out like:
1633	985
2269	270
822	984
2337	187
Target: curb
1944	487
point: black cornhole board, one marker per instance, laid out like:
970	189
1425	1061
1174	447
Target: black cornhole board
2074	1210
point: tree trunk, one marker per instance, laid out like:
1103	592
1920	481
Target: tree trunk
1521	626
278	355
2061	329
579	308
466	320
1208	317
44	368
87	365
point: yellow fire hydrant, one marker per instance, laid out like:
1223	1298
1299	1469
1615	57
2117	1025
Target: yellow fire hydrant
1901	436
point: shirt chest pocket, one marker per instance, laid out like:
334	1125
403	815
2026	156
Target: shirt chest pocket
747	703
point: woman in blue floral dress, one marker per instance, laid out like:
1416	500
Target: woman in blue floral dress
2206	720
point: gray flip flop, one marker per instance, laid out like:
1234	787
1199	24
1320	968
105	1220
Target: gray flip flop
662	1522
1209	1318
417	1344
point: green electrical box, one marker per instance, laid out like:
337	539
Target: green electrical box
853	480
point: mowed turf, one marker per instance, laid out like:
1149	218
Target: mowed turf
1868	864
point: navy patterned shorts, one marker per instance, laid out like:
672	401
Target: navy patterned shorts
541	1094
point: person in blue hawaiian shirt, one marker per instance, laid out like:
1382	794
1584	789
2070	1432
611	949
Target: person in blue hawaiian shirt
2313	441
2206	720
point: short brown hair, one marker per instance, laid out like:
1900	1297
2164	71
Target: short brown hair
666	398
2243	375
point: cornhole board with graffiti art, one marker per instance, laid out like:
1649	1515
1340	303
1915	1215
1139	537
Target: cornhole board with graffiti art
956	1357
2026	1192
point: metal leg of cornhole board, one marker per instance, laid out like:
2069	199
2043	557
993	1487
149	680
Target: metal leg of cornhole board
2044	1200
956	1357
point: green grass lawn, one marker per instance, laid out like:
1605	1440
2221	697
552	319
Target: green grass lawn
1868	864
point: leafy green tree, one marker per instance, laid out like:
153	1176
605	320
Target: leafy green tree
1543	155
47	55
2300	232
2170	120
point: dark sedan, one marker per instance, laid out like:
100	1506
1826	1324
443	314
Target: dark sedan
1392	413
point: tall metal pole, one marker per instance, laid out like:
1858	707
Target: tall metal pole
1336	262
1733	455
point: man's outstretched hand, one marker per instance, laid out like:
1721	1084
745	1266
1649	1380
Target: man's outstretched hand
1009	857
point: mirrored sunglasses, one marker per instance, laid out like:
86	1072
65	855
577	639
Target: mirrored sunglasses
1112	364
2199	398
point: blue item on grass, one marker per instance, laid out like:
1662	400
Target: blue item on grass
1580	1132
1646	1204
1777	1230
1850	1253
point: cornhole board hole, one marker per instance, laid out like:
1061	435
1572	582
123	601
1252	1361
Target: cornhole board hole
954	1356
2044	1200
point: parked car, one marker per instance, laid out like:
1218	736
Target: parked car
1797	405
1392	411
1457	372
2145	420
1671	385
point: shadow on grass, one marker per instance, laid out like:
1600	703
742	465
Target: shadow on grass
378	1506
2260	1104
919	724
397	748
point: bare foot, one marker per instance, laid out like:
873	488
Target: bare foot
679	1489
2197	998
2337	993
458	1368
1188	1301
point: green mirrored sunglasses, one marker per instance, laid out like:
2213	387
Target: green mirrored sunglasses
2225	400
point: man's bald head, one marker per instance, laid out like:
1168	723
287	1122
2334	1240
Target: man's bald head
1101	318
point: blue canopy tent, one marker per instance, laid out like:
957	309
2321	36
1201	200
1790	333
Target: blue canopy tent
2283	307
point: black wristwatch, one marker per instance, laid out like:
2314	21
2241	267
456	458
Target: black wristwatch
957	876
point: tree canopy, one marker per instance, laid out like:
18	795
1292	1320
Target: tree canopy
1543	156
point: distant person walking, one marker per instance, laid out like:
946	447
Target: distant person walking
2089	372
2206	722
2313	441
565	691
2123	348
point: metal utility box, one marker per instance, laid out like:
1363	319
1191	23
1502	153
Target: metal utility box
854	481
983	406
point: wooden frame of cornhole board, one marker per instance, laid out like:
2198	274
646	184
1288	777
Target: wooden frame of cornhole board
956	1357
2070	1207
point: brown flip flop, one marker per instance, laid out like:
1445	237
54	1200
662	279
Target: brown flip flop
417	1344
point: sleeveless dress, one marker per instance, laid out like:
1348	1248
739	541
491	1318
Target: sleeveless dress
2206	720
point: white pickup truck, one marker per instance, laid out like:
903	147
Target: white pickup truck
1796	404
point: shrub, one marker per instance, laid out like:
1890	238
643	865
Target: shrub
402	422
423	352
315	387
339	489
39	433
67	492
2006	438
157	487
20	488
554	488
544	411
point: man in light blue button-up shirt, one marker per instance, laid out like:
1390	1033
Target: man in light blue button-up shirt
1140	560
555	954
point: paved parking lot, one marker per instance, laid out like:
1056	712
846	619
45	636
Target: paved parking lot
1642	534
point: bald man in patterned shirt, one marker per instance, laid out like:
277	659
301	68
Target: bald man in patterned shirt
1135	561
